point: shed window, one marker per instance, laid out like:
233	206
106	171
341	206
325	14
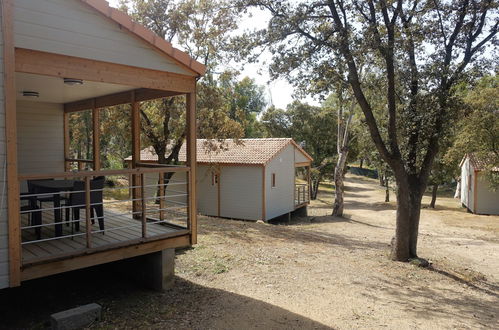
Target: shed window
214	178
469	182
273	180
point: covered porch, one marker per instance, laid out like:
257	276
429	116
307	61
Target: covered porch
144	208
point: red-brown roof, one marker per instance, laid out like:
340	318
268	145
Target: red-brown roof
145	34
244	151
480	164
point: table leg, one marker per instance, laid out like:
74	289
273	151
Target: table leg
58	215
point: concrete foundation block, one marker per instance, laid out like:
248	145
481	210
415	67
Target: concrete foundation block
154	271
302	212
76	318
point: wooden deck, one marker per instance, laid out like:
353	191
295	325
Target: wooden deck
120	230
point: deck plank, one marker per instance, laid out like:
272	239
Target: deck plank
52	248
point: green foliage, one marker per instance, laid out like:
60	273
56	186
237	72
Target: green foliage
200	27
313	127
477	131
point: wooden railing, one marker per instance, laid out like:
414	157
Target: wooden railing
153	202
302	193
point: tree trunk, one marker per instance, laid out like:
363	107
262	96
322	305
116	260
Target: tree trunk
361	162
339	185
387	191
339	171
315	187
381	176
404	244
434	196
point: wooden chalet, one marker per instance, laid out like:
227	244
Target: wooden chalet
59	57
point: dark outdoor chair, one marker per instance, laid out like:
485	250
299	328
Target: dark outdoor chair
35	216
77	201
46	198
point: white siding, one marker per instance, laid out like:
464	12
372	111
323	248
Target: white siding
4	239
467	185
207	194
71	28
40	137
280	199
487	200
300	157
177	187
241	192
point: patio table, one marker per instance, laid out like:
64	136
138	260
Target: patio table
56	187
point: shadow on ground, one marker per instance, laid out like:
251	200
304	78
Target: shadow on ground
432	303
126	305
251	232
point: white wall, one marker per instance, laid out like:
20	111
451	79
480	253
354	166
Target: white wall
241	192
4	238
467	186
487	200
207	194
71	28
280	200
300	157
177	187
40	137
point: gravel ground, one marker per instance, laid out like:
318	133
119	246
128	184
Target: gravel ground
316	272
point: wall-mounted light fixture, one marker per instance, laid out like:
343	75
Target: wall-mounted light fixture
72	81
30	94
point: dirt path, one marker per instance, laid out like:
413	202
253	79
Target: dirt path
335	271
314	273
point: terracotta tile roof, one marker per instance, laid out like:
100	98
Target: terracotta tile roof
481	164
145	34
245	151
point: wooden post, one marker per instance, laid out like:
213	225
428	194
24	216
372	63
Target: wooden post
135	116
67	165
96	137
161	195
15	251
143	196
263	193
87	212
191	163
309	183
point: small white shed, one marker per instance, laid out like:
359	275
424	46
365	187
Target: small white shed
254	179
476	195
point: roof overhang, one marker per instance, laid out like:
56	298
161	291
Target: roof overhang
126	22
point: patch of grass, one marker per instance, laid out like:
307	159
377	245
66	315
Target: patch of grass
220	268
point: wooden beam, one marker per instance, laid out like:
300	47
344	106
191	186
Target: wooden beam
135	119
264	212
103	257
57	65
141	94
11	145
96	137
219	191
135	171
135	114
475	191
66	143
191	162
88	222
302	164
309	181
